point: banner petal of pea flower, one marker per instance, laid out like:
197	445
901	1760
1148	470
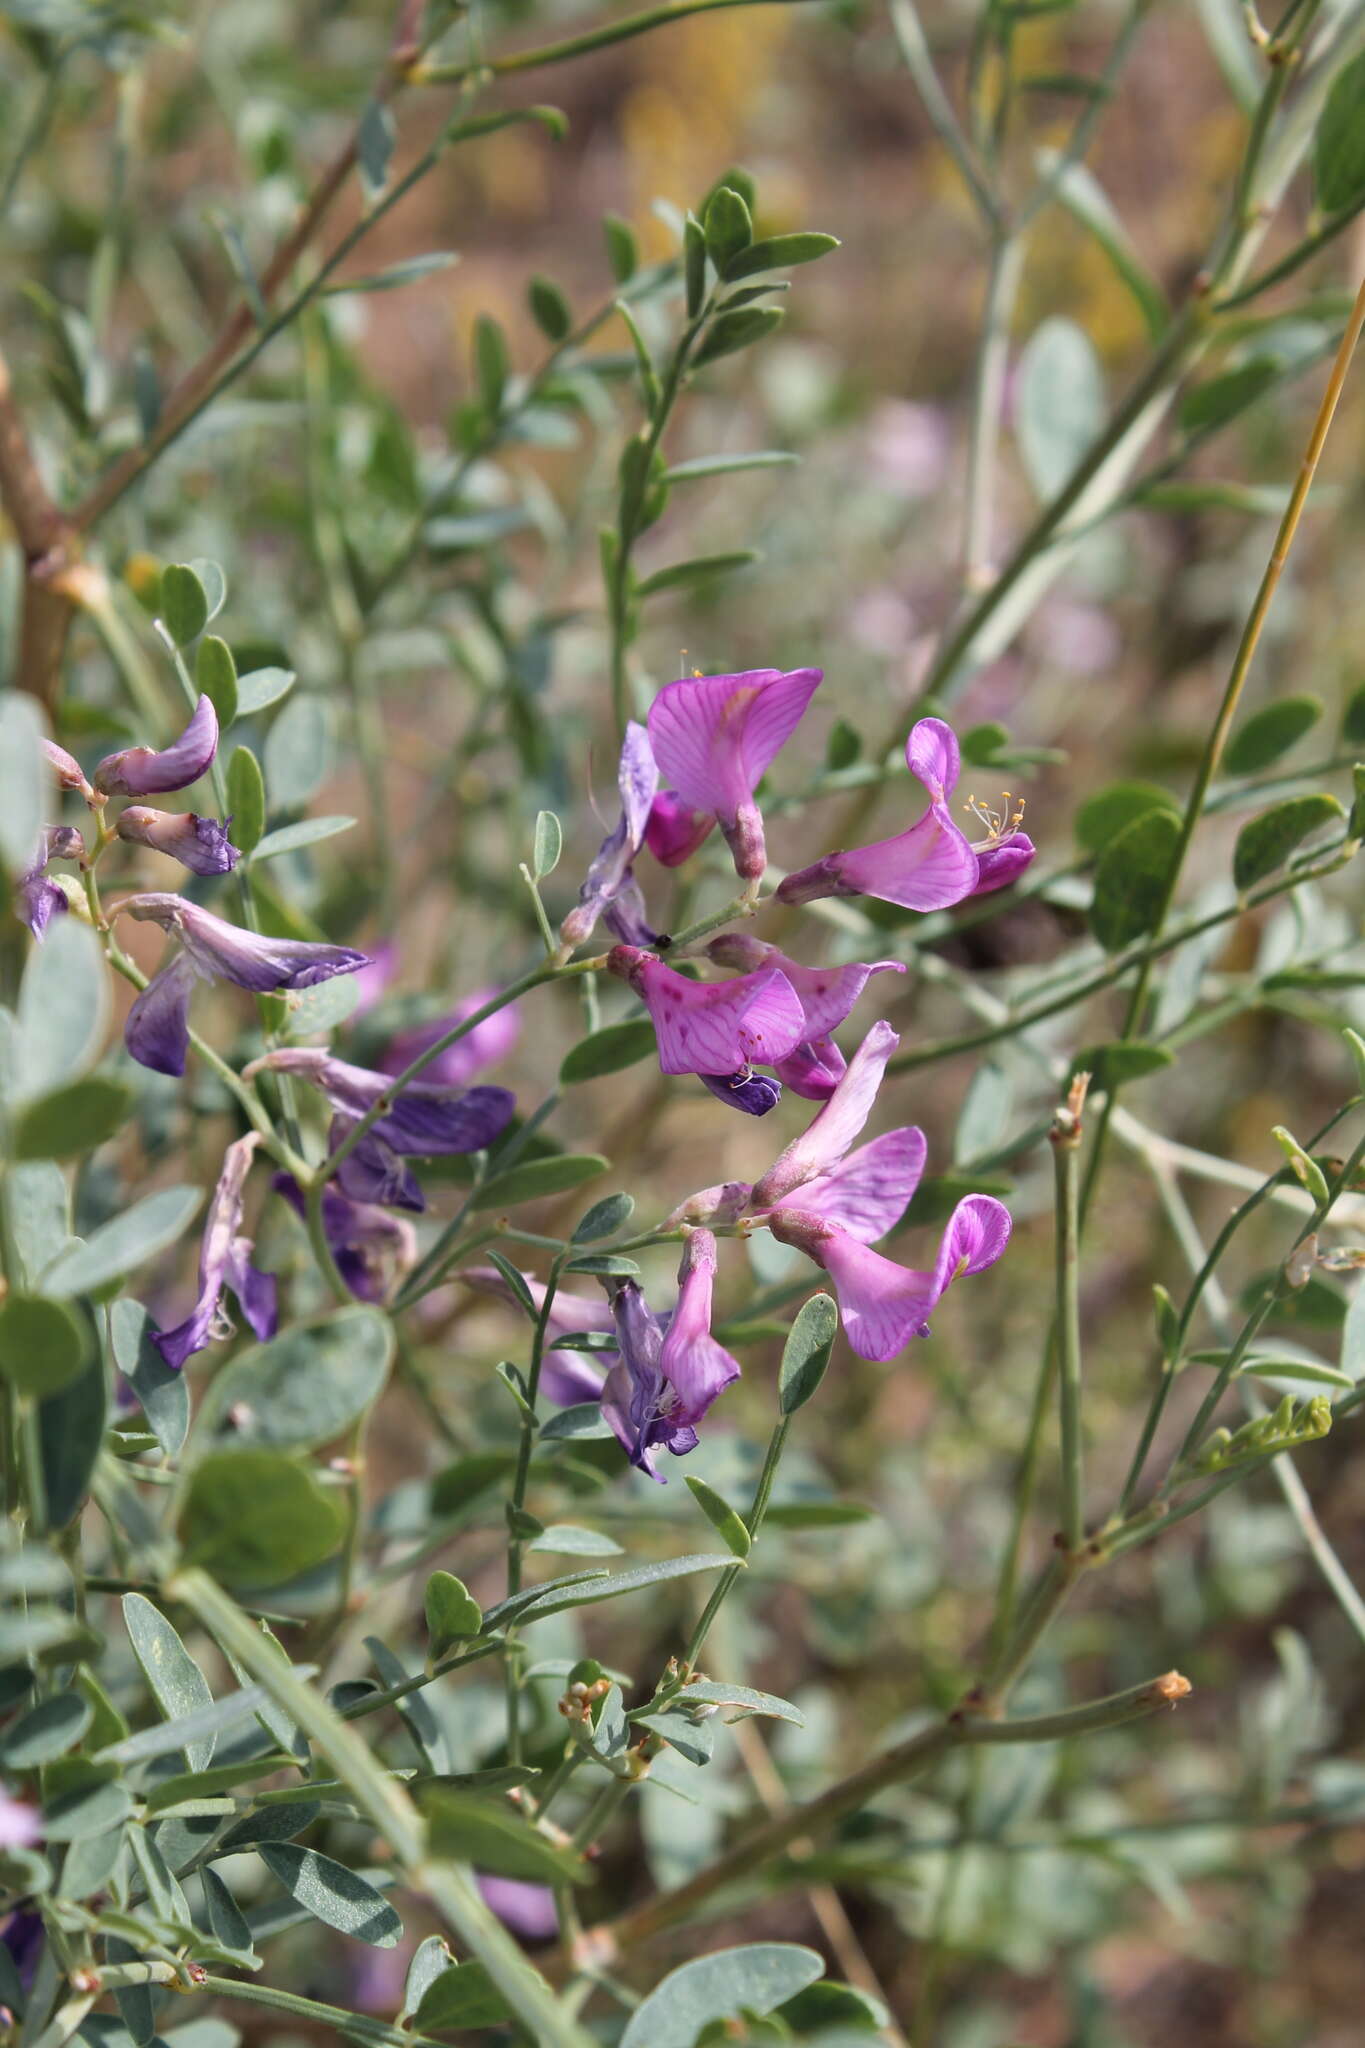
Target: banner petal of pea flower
827	994
714	737
224	1263
143	771
713	1028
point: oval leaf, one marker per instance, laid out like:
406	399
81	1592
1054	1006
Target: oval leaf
309	1385
337	1896
124	1242
43	1346
1130	880
254	1518
1265	843
720	1987
607	1051
536	1178
1270	733
806	1353
727	1524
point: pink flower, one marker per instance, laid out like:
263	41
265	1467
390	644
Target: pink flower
21	1825
932	865
883	1305
826	995
714	737
713	1028
666	1381
827	1139
675	830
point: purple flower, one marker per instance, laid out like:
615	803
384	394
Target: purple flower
826	994
370	1249
39	900
932	865
828	1137
23	1934
883	1305
566	1377
423	1120
755	1094
665	1381
158	1026
610	889
456	1067
68	771
224	1262
714	737
675	830
717	1028
142	771
528	1909
200	844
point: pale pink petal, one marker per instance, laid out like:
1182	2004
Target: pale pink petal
933	756
977	1234
714	736
868	1193
929	867
824	1143
694	1364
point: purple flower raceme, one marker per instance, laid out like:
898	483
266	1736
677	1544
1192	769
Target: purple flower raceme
200	844
719	1030
932	865
371	1250
38	899
157	1030
714	737
826	995
481	1047
566	1377
143	771
610	889
422	1121
666	1379
224	1262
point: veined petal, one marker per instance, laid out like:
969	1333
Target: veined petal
200	844
223	950
933	757
675	830
143	771
157	1030
977	1234
714	736
882	1305
828	1137
422	1120
929	867
814	1070
713	1028
373	1171
694	1364
372	1249
827	994
755	1094
868	1192
223	1261
610	873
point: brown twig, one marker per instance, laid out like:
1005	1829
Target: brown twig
43	534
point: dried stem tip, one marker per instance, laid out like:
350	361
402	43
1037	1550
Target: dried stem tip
1067	1122
1170	1687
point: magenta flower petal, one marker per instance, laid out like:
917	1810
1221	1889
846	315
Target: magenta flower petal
867	1193
528	1909
933	757
610	878
200	844
715	736
814	1070
224	1262
675	830
999	865
157	1029
695	1365
714	1028
482	1047
828	1137
142	771
666	1380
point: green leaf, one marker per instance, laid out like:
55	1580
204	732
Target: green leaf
806	1353
464	1996
725	1986
549	308
1214	403
727	226
124	1242
491	1836
490	362
728	465
91	1805
835	2014
184	603
215	672
73	1119
1339	143
533	1179
1265	843
262	688
196	1733
255	1518
680	575
1123	1060
583	1420
474	529
728	1525
63	1010
452	1612
778	252
246	799
729	332
694	265
535	1604
308	1386
337	1896
705	1691
1353	717
1085	199
622	253
46	1731
607	1051
547	845
213	583
178	1685
376	139
43	1346
843	746
25	780
603	1262
564	1539
604	1219
298	752
1103	816
1130	880
308	832
1271	732
431	1958
71	1431
163	1393
395	275
1061	404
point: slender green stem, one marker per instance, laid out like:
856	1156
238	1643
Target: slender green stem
908	30
753	1522
581	45
516	1507
1002	287
1066	1138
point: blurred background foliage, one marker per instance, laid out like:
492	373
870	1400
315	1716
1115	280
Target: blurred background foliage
421	548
